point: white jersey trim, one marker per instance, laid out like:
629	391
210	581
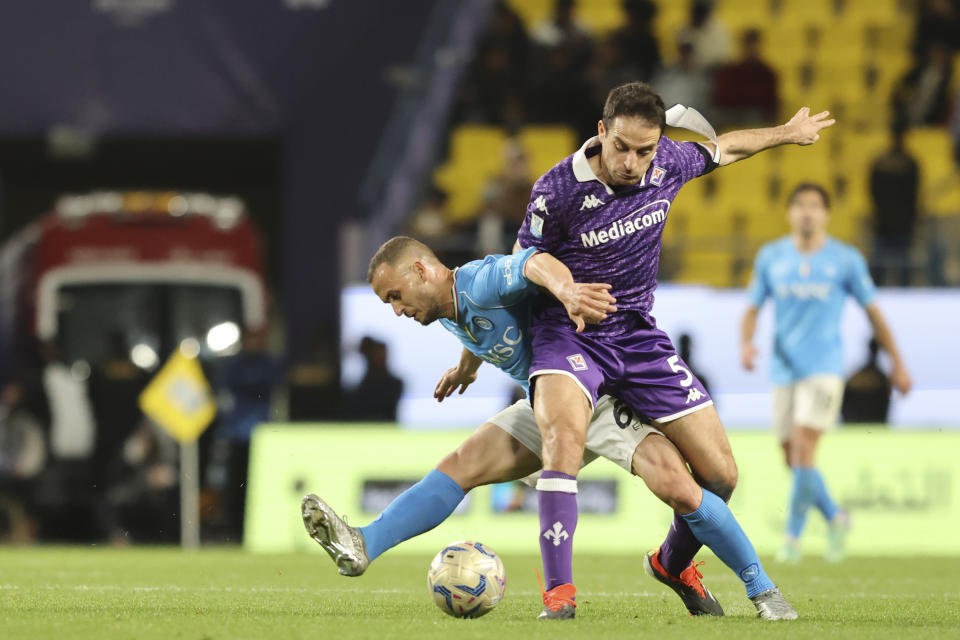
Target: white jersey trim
685	412
566	373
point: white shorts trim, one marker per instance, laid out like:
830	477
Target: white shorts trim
566	373
812	402
685	412
605	437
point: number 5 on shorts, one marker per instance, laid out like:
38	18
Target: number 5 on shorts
674	363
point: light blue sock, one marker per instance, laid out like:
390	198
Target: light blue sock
715	526
801	497
417	510
821	497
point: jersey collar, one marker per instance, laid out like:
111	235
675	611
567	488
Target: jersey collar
583	172
456	298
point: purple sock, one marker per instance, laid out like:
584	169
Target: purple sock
557	495
680	547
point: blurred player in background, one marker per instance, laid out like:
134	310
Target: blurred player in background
486	304
601	212
809	275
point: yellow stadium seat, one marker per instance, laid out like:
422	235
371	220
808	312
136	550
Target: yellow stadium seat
600	16
546	146
706	266
476	155
939	176
532	12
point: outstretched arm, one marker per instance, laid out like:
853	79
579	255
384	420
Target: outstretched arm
899	377
462	375
584	302
803	129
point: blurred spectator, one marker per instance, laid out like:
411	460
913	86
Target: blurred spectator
431	221
144	493
708	35
493	91
22	457
562	29
937	21
244	391
559	90
920	97
68	483
635	40
866	396
314	384
894	188
377	396
684	82
505	199
955	128
608	69
115	386
745	92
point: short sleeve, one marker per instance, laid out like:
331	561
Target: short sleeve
543	225
858	282
759	289
693	158
499	280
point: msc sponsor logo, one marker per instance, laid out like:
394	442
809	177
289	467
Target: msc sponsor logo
805	290
501	352
636	221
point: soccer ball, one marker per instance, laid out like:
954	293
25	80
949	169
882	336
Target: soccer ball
466	579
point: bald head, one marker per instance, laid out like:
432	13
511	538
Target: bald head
406	274
397	250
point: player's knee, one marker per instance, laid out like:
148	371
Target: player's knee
724	485
563	450
462	471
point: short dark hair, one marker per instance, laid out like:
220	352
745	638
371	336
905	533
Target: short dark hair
635	99
391	251
810	186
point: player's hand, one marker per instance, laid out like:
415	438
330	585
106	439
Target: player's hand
587	303
805	128
748	354
452	379
900	379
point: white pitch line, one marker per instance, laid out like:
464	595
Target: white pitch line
253	590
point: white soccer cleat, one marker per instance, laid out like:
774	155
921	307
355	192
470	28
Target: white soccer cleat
837	532
771	605
342	542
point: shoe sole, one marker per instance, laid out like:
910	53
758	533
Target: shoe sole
318	527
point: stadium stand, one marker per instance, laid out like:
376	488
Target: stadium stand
842	55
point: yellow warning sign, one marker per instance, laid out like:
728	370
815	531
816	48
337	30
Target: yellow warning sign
179	398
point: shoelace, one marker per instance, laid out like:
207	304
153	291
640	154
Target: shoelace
558	596
691	577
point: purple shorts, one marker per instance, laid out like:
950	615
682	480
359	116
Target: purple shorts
640	367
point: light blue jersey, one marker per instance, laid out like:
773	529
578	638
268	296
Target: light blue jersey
809	291
492	302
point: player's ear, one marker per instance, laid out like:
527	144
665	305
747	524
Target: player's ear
419	269
601	130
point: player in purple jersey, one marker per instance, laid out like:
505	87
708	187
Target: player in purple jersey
601	211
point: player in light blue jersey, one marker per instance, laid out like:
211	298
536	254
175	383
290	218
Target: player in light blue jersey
809	275
486	304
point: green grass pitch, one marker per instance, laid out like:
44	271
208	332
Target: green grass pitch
225	594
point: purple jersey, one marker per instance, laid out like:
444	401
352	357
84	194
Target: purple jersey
607	235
